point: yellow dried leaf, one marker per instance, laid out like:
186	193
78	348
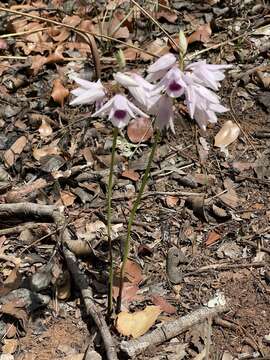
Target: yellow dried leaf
59	92
138	323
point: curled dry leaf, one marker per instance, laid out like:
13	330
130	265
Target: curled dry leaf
138	323
140	129
45	128
163	304
202	34
157	47
59	92
38	61
212	237
15	149
226	135
67	198
133	272
131	174
45	151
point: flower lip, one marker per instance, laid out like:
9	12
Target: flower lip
175	86
120	114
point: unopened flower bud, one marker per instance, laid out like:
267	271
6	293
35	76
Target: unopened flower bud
183	44
120	58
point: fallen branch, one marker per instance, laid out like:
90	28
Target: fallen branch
81	282
169	330
29	211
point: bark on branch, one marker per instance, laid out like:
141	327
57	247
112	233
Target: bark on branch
169	330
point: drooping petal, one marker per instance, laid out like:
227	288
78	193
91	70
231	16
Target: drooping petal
164	63
87	96
105	109
88	92
136	109
125	80
164	113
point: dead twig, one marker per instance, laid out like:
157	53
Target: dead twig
81	282
169	330
29	211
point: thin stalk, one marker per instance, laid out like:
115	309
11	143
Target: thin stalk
109	222
132	218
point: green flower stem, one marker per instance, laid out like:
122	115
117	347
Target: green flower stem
131	220
109	222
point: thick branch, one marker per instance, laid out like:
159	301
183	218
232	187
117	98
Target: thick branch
169	330
14	213
81	281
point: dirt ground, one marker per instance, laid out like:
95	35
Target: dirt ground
212	207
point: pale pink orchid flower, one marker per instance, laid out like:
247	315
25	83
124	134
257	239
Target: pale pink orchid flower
210	75
139	88
163	110
159	69
201	102
173	83
88	93
120	111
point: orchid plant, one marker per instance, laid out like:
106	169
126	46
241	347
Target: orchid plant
168	80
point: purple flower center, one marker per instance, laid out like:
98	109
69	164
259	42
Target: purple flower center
120	114
174	86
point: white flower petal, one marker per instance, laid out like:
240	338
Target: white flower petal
105	109
125	80
163	63
87	97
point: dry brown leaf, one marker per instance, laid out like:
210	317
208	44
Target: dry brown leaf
230	198
140	130
163	304
3	44
16	308
226	135
38	61
45	151
157	47
45	128
133	272
129	293
202	34
59	92
63	286
172	201
15	149
131	174
12	282
138	323
169	15
67	198
10	346
212	237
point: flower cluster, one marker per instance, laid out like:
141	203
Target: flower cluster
156	93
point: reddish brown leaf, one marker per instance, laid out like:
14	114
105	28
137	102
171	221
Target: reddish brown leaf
172	201
212	238
202	34
59	92
163	304
133	272
140	130
131	174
